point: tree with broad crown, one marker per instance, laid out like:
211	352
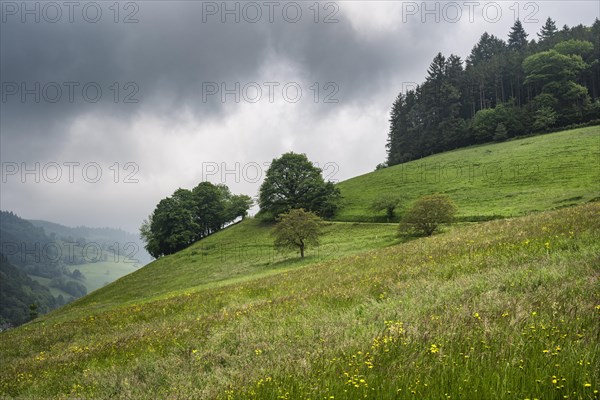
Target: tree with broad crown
572	47
556	74
427	213
238	206
292	181
297	229
172	226
484	123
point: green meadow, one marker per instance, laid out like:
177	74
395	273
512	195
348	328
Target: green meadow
97	275
101	273
489	181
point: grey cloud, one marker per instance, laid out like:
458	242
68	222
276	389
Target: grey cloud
168	54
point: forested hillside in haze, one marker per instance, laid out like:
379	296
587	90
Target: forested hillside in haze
127	243
49	265
503	89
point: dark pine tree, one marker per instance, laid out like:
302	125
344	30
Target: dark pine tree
517	38
517	43
548	30
485	70
397	131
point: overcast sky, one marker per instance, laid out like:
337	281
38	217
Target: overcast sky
106	110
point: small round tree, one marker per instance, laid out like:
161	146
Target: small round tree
387	203
297	229
427	213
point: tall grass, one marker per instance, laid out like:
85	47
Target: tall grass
503	309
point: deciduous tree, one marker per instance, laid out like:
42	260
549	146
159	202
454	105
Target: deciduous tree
292	181
297	229
190	215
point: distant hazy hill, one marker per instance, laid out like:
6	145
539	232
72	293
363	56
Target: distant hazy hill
108	236
26	246
50	264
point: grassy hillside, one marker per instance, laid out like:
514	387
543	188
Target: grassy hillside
505	179
100	236
238	253
506	308
502	309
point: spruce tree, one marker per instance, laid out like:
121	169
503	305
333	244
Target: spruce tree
517	38
397	130
548	30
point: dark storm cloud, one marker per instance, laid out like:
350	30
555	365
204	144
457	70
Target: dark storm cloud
162	61
168	55
175	47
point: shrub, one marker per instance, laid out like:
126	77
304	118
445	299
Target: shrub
427	213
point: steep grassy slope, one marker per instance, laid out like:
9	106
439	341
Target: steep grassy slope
505	179
240	252
506	308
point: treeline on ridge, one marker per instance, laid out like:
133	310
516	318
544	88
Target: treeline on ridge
503	90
